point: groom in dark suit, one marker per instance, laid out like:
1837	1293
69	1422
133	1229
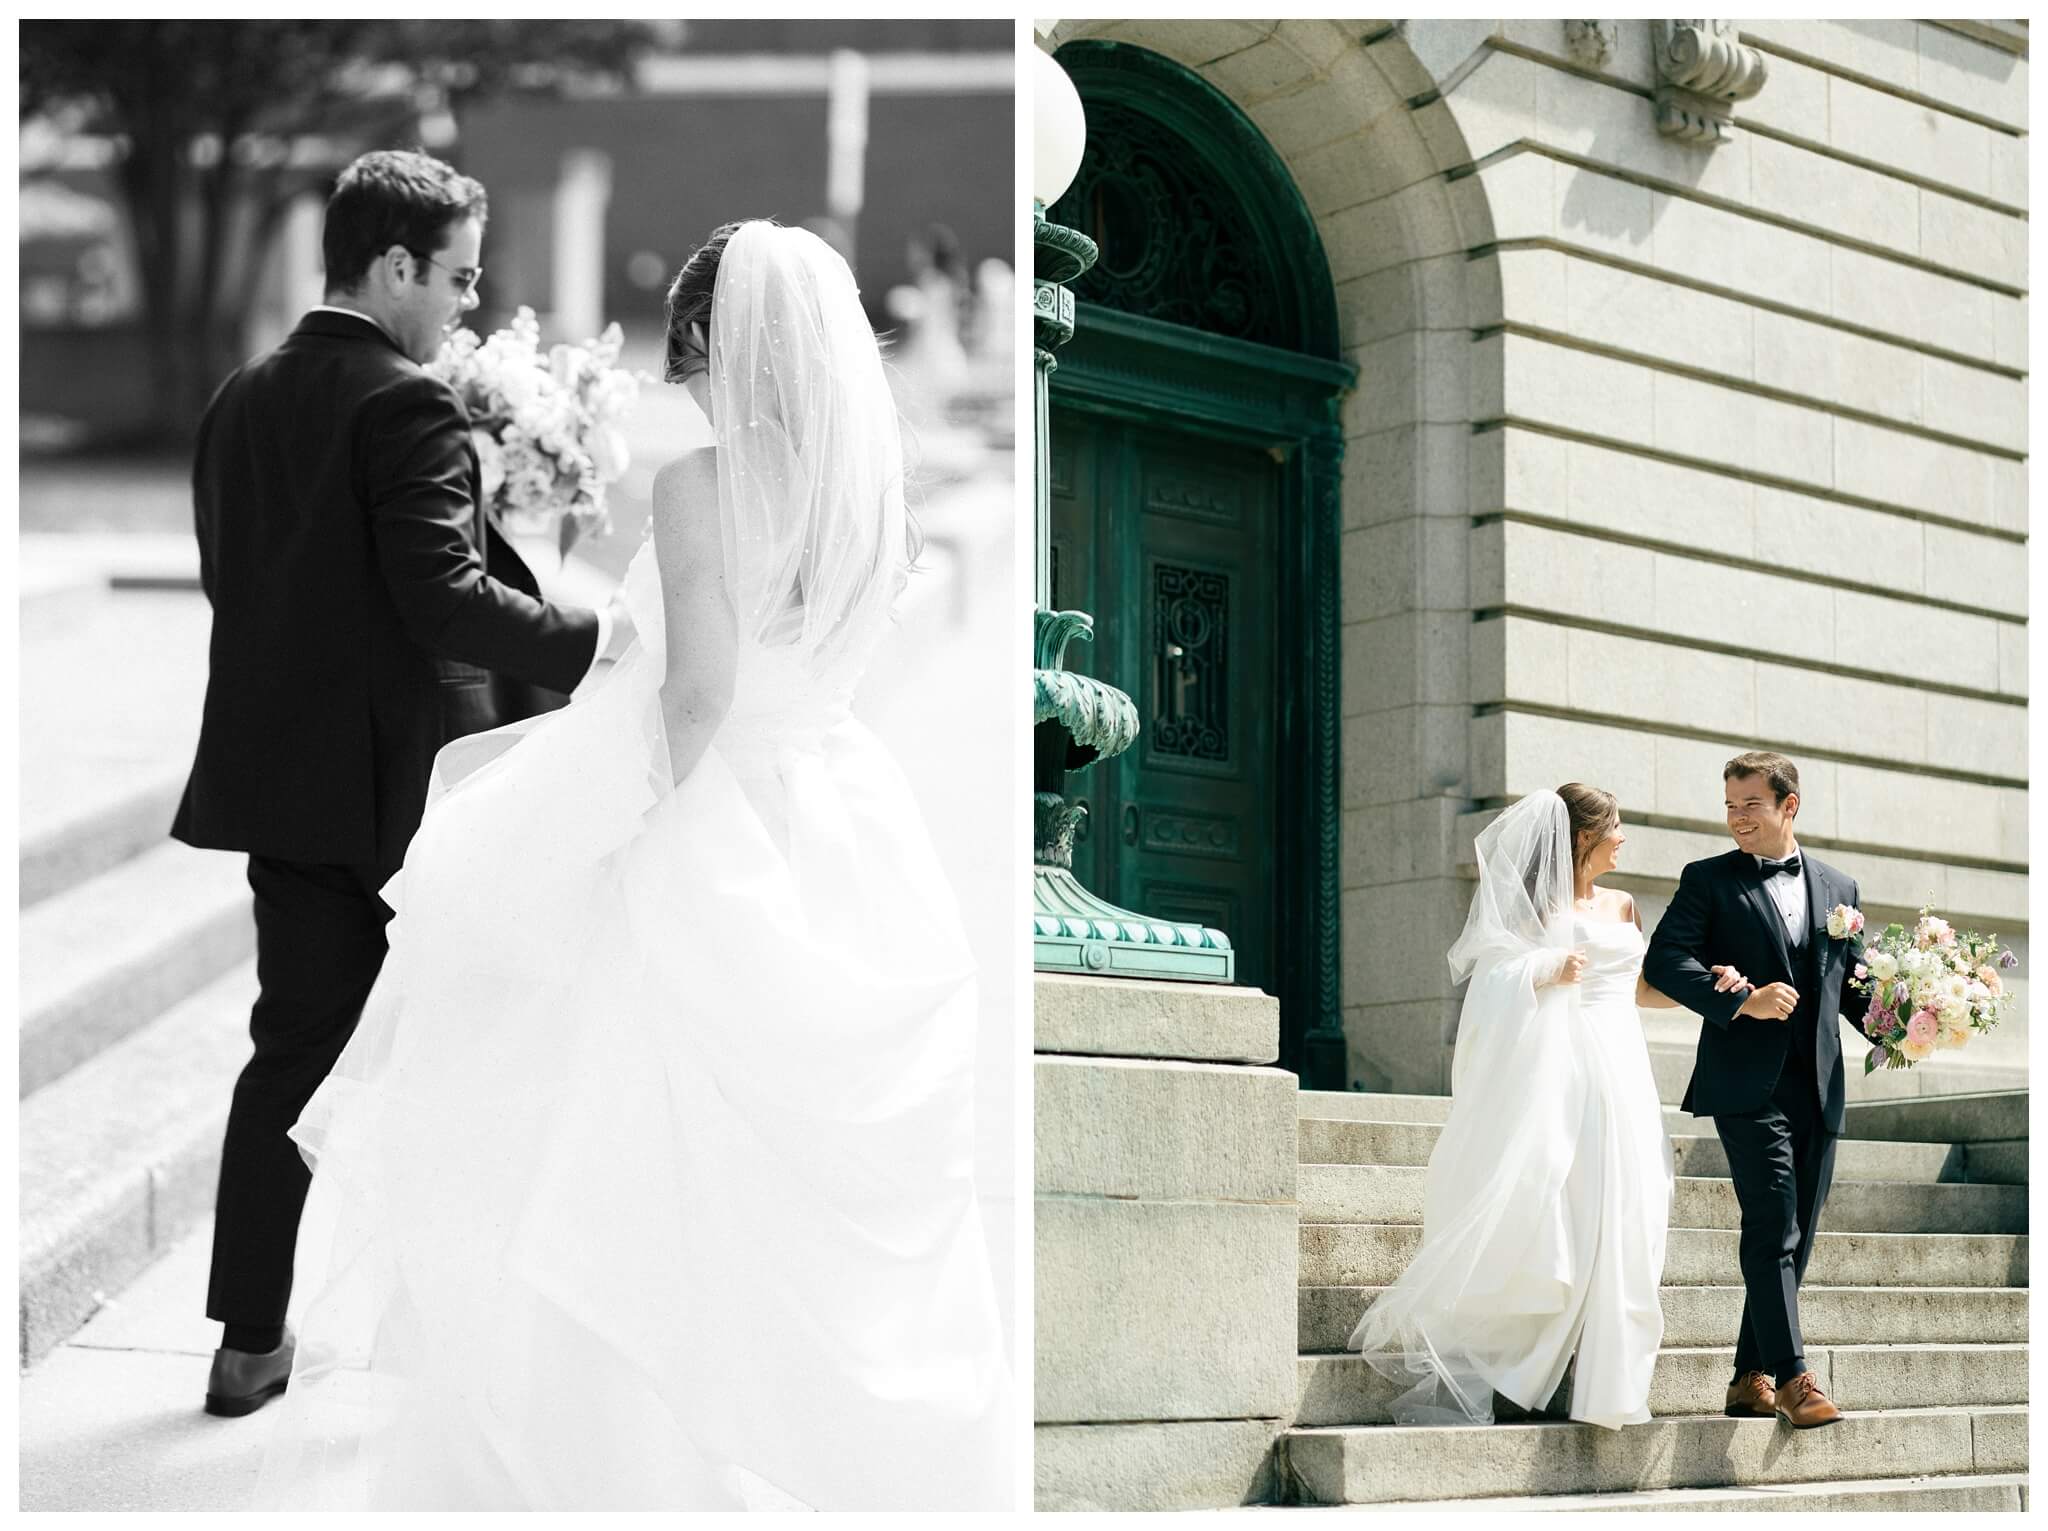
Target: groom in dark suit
1769	1068
365	612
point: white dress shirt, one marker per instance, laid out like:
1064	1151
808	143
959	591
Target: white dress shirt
1789	894
604	616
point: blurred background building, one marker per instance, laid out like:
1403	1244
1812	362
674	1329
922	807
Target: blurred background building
610	150
173	176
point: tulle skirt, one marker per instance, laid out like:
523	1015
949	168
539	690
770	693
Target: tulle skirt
647	1179
1545	1218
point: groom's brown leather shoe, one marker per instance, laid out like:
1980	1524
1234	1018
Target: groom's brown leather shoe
1804	1405
243	1382
1751	1396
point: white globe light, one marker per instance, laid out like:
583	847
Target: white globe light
1059	129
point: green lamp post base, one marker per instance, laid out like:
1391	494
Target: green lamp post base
1073	931
1081	719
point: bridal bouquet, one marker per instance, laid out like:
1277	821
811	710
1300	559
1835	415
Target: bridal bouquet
1929	986
547	426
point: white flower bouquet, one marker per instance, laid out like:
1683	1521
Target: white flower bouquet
547	427
1929	987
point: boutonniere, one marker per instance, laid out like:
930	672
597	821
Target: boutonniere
1844	922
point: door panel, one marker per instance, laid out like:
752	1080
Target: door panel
1168	539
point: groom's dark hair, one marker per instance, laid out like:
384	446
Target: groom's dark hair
1774	768
393	197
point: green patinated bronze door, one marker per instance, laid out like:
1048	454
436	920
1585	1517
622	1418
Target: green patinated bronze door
1174	534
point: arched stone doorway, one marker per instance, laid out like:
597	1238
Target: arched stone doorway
1196	448
1352	116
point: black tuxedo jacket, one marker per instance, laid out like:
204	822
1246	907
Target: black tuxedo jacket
1722	914
364	611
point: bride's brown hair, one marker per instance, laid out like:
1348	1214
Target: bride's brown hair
1594	814
689	299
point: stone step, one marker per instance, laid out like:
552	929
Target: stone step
97	836
1384	1464
1999	1163
1709	1315
1377	1193
1371	1106
1347	1390
110	955
1983	1117
119	1157
1374	1254
1411	1143
109	707
1432	1110
57	599
1952	1493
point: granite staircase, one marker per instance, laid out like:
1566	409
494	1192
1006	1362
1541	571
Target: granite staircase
136	953
1914	1307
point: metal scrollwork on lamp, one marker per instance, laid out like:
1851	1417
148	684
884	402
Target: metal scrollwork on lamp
1077	719
1703	69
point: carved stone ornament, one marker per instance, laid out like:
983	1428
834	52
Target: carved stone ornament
1591	42
1702	71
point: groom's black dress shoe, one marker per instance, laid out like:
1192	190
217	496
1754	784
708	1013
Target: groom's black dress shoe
241	1382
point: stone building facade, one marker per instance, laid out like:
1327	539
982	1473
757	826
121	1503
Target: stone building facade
1689	415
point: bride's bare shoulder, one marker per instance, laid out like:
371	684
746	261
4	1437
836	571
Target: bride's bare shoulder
682	476
1612	903
685	513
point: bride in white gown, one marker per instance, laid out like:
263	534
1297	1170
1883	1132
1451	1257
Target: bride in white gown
1549	1190
647	1178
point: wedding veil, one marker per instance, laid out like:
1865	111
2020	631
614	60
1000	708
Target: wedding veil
1466	1317
1525	884
812	523
810	462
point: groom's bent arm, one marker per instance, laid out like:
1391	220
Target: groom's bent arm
1675	963
417	486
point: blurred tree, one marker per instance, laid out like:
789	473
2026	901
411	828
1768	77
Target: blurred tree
221	124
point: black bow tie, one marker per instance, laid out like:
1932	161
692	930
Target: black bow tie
1789	867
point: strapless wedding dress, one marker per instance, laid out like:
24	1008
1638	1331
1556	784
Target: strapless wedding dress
647	1179
1549	1196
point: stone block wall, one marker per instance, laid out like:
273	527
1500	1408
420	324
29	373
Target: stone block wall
1748	463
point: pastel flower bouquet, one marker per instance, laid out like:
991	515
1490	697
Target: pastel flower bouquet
547	427
1929	987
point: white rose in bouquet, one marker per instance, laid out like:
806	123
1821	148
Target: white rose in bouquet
1955	1025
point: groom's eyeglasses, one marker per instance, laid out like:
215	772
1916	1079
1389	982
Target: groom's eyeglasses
466	277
